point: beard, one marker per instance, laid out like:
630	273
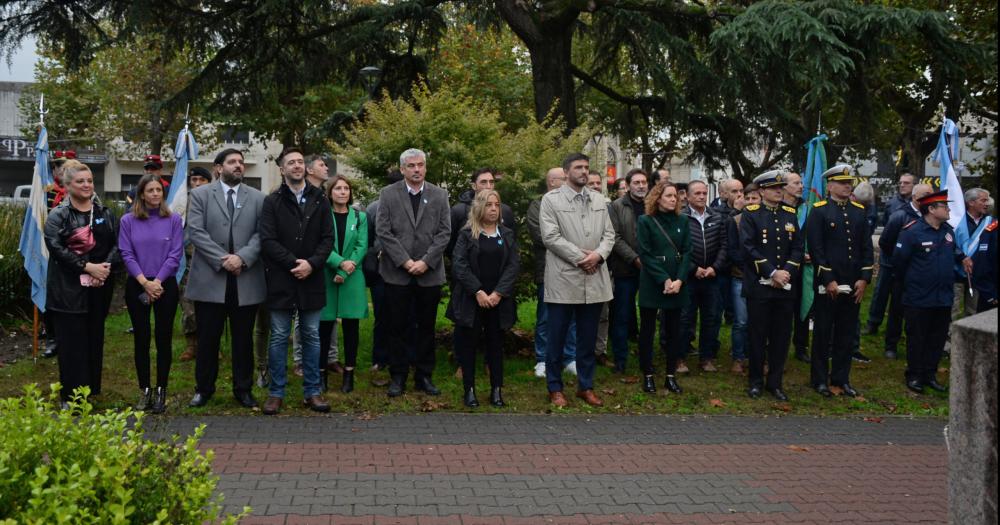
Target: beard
231	178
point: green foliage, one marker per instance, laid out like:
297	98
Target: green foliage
15	287
77	466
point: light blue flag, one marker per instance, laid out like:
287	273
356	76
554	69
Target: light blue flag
945	154
815	187
177	198
32	245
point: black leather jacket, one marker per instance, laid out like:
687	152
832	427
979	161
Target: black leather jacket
64	292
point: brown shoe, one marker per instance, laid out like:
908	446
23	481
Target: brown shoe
297	369
603	360
335	367
458	373
316	404
188	354
682	367
191	350
589	397
272	406
737	367
708	366
558	399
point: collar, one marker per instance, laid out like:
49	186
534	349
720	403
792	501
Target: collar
914	208
226	187
975	220
700	216
410	190
842	204
571	194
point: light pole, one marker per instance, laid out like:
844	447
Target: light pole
370	77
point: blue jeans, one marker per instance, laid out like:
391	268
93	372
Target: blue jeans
560	317
541	332
622	316
739	332
704	304
277	353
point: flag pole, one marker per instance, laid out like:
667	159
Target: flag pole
35	321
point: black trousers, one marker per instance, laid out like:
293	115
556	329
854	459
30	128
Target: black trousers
212	319
407	304
164	310
926	333
800	327
894	325
80	337
769	328
349	327
671	338
836	322
485	332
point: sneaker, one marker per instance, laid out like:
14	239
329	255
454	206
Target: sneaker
682	367
263	378
737	367
708	366
861	358
540	369
297	369
570	368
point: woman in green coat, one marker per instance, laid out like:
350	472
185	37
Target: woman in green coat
665	252
346	295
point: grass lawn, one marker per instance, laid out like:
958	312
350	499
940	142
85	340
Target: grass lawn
880	383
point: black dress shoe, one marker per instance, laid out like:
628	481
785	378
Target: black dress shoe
823	390
802	355
396	386
860	358
145	400
754	392
648	385
348	386
496	398
246	399
199	399
671	385
470	398
890	354
934	385
915	386
849	390
778	394
425	385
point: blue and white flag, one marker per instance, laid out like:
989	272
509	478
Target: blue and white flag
177	197
945	154
32	245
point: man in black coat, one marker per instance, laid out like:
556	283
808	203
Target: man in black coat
482	179
296	234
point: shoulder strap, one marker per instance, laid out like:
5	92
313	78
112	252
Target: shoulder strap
664	232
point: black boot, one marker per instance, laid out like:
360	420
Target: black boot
496	398
396	386
348	385
671	385
146	400
648	385
470	398
160	401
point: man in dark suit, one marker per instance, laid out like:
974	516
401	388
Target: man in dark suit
414	227
225	282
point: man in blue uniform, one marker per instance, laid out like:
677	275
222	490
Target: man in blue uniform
984	272
924	257
842	254
880	298
771	246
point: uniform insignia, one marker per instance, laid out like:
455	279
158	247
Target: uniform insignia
789	227
753	207
991	226
858	204
817	204
948	237
911	223
789	209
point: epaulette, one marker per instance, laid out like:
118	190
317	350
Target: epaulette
991	226
753	207
911	223
858	204
789	209
817	204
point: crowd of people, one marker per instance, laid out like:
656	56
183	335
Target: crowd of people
300	260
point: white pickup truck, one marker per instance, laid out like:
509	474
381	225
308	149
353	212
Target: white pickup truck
21	195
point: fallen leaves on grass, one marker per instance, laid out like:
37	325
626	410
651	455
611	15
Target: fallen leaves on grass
873	419
717	403
630	380
836	390
609	391
784	407
430	406
796	448
366	416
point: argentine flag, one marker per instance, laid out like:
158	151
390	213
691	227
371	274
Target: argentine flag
945	154
32	245
177	197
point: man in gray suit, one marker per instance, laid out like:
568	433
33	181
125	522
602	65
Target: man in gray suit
225	282
414	226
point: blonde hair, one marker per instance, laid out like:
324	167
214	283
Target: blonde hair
478	210
70	168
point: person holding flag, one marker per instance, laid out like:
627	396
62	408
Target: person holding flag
980	227
55	193
842	254
925	257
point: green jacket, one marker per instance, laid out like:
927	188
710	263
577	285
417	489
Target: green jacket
661	262
348	300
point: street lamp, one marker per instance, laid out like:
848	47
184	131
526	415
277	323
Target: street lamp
369	77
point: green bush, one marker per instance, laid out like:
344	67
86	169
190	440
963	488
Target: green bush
76	466
15	287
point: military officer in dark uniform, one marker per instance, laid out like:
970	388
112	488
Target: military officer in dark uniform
925	258
842	254
772	251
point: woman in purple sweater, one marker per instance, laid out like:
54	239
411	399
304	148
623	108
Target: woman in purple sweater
151	241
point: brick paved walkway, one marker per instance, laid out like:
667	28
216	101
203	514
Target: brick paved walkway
447	468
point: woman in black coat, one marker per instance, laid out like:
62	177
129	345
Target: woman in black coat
82	238
484	266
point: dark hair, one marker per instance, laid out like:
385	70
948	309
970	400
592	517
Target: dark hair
751	188
632	172
220	159
200	172
393	177
139	206
312	158
571	158
480	171
908	174
288	150
681	186
331	182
